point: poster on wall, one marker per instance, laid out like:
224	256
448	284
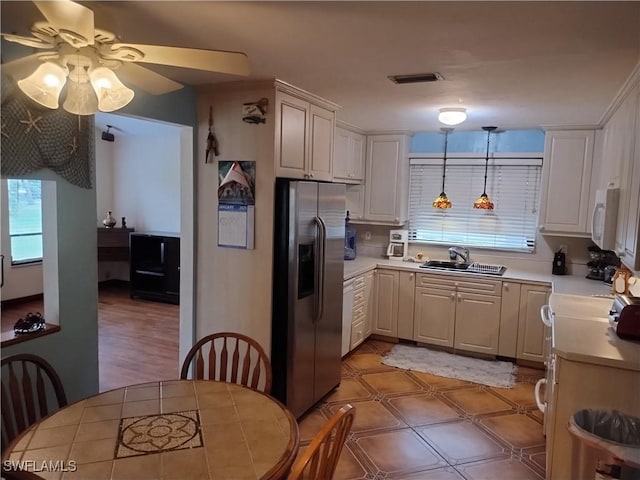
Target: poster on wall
236	204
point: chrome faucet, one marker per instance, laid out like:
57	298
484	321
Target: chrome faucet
461	252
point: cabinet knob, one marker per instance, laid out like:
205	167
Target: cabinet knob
411	276
311	175
459	297
505	286
453	296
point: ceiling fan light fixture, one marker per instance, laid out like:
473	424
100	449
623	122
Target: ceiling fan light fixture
45	84
452	115
112	94
81	99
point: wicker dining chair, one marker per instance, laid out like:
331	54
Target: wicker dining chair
319	460
229	357
29	386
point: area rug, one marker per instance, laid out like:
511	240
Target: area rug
493	373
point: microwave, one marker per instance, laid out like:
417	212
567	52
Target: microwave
605	218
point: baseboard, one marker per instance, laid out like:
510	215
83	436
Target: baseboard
18	301
113	282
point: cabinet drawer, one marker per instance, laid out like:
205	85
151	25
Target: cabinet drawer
358	282
357	334
358	296
462	284
358	313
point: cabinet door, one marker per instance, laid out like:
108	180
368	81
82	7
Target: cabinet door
341	154
385	319
356	169
347	313
477	323
631	253
434	316
566	182
291	136
531	330
509	313
369	302
386	179
320	160
355	201
406	293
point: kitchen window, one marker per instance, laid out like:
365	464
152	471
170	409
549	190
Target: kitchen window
25	220
513	185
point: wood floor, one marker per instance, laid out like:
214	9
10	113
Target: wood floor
137	339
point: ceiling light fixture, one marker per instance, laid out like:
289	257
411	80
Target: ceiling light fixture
443	201
452	116
483	201
91	87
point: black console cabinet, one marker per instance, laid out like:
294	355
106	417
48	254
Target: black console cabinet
155	266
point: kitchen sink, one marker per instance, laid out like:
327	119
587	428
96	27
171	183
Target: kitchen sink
444	265
464	267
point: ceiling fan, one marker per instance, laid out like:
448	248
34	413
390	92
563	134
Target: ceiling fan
86	59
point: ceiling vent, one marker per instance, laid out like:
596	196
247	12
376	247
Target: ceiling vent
416	78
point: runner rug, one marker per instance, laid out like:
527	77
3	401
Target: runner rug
493	373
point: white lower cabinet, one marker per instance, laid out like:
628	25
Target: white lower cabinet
459	313
531	330
357	311
385	311
347	315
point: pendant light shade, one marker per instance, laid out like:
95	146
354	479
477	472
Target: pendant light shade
443	201
483	202
44	84
112	94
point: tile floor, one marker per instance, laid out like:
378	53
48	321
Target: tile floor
412	425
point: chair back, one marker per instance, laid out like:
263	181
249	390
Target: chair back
229	357
31	390
319	460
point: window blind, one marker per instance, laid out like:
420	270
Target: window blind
513	185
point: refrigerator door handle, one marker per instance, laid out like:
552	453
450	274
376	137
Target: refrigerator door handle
322	242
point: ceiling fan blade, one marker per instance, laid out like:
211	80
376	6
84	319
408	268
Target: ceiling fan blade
146	80
235	63
33	42
73	21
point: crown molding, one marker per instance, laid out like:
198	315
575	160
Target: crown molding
627	86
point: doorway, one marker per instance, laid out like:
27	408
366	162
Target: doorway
146	176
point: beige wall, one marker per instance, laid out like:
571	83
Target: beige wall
234	285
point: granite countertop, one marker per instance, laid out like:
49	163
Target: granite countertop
571	284
582	333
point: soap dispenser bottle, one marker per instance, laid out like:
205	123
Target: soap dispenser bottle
349	239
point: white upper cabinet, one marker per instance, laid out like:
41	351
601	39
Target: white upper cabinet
566	183
621	151
387	179
348	156
304	135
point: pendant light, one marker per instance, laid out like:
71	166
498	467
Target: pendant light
442	201
483	201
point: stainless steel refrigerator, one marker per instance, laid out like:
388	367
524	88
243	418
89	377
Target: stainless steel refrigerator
308	271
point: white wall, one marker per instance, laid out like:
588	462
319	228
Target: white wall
234	285
146	181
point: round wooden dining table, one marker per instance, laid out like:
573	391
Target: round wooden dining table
178	429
